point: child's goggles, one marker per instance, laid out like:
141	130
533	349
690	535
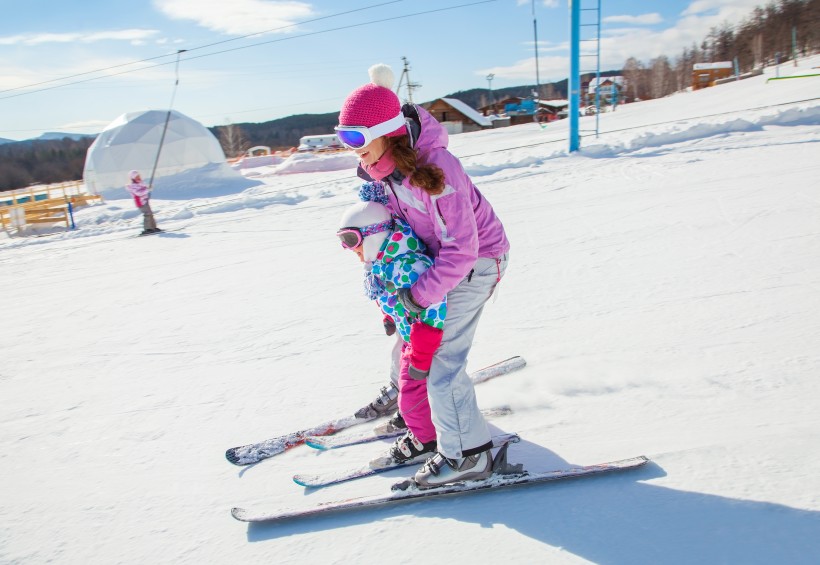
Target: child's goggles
357	137
351	238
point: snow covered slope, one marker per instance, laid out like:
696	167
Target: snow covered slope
664	287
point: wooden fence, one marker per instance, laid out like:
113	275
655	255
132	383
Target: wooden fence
43	204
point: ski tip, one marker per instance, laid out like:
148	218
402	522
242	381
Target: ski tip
517	361
306	481
231	456
316	443
239	513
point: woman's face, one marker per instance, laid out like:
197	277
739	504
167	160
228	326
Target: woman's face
373	151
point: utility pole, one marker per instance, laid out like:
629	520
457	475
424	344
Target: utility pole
490	78
411	86
535	33
574	73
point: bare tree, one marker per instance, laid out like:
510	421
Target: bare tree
633	73
233	140
662	82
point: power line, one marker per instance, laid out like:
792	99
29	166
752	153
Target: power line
192	49
351	26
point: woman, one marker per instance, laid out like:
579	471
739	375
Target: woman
406	149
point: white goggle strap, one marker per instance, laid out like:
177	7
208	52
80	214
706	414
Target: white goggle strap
387	127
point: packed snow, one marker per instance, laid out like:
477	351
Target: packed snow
664	287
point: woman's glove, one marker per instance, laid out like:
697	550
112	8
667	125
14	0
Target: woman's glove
424	341
405	298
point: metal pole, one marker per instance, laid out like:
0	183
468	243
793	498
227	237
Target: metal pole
490	78
598	74
535	34
574	74
165	127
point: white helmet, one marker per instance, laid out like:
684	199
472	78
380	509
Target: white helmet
364	214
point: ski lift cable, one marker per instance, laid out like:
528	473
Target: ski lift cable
351	26
194	48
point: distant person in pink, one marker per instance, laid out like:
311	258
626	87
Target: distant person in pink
142	197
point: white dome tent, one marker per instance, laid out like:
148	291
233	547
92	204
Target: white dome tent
191	163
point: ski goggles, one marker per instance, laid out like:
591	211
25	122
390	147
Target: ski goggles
356	137
352	238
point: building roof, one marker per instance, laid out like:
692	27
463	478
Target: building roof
593	84
706	66
554	103
471	113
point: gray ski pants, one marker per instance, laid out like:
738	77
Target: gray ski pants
148	222
459	424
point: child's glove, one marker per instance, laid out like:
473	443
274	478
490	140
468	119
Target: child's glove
424	341
389	325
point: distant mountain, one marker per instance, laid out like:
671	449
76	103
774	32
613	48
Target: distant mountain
284	133
479	97
52	135
4	140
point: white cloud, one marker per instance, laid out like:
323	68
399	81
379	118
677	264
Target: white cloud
236	17
720	10
130	35
701	6
549	69
545	3
620	43
643	19
547	46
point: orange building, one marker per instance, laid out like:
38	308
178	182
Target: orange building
705	74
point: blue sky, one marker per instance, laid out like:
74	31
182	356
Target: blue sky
303	57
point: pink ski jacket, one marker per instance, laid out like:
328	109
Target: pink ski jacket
140	192
458	225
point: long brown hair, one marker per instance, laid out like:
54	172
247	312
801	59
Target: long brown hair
427	177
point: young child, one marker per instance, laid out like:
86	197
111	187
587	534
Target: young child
142	196
393	258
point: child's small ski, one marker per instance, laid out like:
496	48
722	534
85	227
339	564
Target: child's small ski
255	452
407	491
377	466
382	432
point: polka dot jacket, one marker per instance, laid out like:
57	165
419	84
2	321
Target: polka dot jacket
398	264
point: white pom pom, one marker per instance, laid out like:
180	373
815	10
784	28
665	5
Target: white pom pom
381	75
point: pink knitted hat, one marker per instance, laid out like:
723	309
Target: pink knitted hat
373	103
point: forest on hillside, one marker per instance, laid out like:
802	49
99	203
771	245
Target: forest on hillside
776	32
42	161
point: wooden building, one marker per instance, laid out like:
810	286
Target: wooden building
457	116
705	74
498	106
607	89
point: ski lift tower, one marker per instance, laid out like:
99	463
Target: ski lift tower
411	86
576	9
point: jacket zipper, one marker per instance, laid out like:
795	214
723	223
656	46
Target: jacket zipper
399	204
